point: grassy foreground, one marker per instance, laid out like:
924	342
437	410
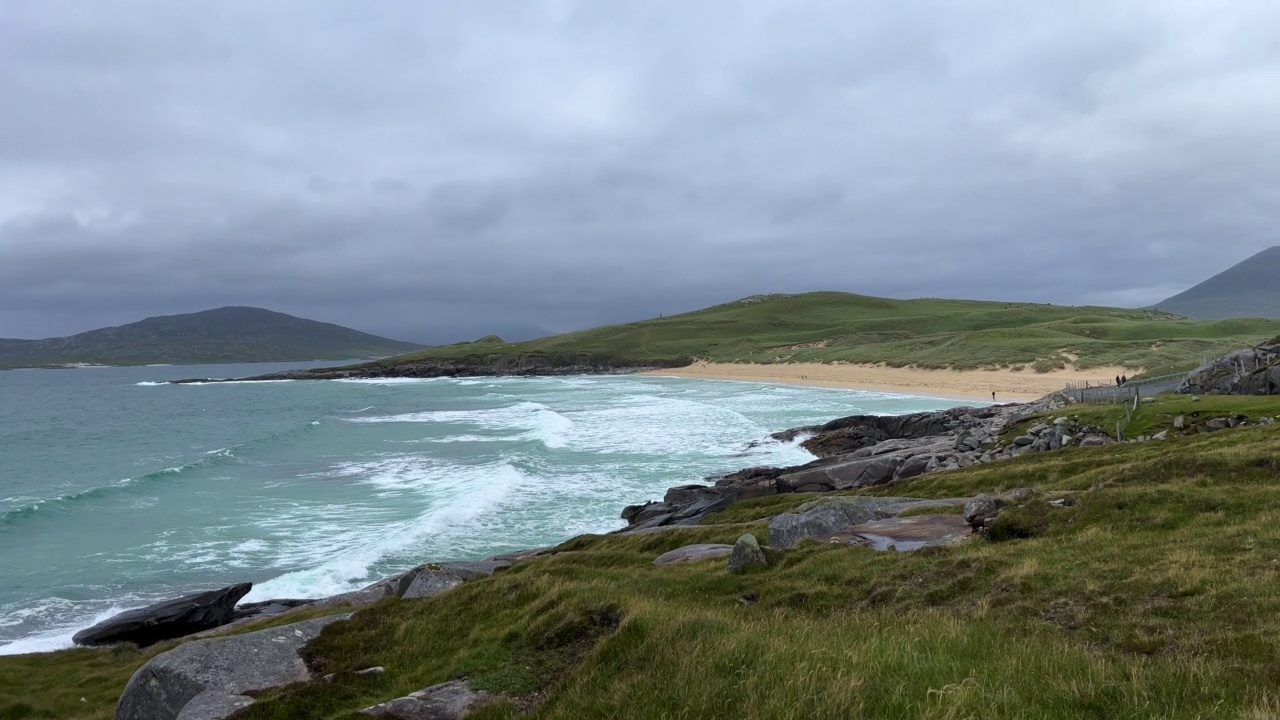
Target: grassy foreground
929	333
1157	594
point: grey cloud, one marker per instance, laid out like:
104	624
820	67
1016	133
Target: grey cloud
437	171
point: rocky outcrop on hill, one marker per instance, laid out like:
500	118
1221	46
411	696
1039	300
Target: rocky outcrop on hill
167	620
524	364
864	451
214	678
827	517
1251	371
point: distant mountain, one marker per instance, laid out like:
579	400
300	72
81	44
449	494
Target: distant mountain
1248	289
224	335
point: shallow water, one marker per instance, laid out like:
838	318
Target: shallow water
117	490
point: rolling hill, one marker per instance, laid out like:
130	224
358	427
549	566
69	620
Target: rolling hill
223	335
1248	289
930	333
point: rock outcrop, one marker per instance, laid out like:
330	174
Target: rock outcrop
693	553
211	679
433	579
1251	371
447	701
827	517
864	451
167	620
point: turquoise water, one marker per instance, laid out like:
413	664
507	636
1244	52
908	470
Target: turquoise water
117	491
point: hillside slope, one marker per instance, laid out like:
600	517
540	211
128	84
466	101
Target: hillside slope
223	335
1248	289
931	333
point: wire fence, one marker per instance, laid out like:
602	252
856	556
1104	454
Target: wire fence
1125	393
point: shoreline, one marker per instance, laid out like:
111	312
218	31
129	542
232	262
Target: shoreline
966	385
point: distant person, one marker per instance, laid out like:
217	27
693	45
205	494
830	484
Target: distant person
1124	379
993	396
1117	381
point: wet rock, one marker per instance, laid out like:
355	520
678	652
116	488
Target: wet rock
394	586
210	679
694	553
167	620
636	514
746	554
447	701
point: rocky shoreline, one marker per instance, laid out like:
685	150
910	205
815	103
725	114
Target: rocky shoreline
204	678
521	365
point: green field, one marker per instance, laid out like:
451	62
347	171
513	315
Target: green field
842	327
1156	595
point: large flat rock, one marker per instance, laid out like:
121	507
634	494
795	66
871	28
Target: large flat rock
210	679
909	533
693	553
827	517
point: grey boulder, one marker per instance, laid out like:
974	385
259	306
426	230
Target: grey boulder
693	553
431	580
210	679
981	508
746	554
167	620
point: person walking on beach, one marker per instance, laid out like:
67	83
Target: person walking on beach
993	396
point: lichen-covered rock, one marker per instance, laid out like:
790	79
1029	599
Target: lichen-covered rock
693	553
435	578
980	509
210	679
746	554
447	701
825	517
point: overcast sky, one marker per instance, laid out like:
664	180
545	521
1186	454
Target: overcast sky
436	171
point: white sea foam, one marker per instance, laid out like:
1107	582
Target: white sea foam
532	420
59	636
346	555
151	384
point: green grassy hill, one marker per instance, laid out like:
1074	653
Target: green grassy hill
223	335
1154	594
843	327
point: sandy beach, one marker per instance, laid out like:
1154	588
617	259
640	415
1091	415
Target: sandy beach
1008	385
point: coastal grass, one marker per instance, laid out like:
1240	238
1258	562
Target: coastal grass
84	683
1159	412
833	327
1155	593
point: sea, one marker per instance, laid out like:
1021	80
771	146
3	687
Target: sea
118	489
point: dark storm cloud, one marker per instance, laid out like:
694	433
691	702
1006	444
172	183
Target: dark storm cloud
434	172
